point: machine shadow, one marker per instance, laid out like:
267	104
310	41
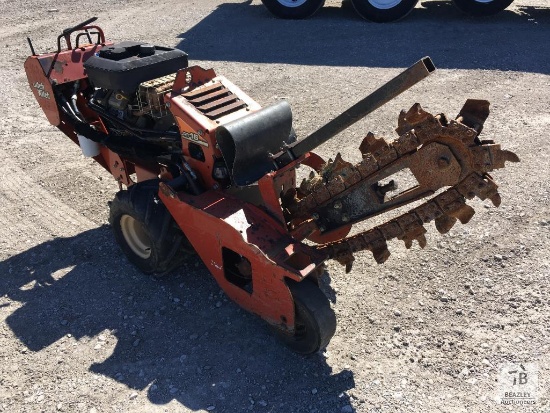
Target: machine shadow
176	338
242	32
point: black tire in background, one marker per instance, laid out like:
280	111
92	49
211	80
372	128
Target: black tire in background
145	230
383	11
315	321
293	9
482	7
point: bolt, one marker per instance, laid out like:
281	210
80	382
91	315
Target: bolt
321	228
345	218
337	205
443	162
315	216
168	104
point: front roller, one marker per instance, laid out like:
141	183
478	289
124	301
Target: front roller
315	321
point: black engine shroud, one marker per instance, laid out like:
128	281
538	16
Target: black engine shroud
123	66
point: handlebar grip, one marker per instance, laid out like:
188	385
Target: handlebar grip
79	26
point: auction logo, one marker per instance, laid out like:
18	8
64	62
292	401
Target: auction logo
518	384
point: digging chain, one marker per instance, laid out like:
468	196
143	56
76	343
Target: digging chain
417	129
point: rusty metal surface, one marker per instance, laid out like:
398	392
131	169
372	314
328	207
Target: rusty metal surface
379	97
439	154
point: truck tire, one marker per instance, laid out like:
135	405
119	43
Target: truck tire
145	231
482	7
293	9
382	11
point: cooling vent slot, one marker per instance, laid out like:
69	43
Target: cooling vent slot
214	101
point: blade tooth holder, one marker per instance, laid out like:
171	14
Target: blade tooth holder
476	185
407	221
427	129
428	212
406	143
464	213
483	158
415	231
471	186
367	166
336	186
357	244
375	242
449	200
453	204
386	156
321	195
391	230
460	132
444	223
352	177
307	204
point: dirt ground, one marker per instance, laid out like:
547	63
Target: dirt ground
84	331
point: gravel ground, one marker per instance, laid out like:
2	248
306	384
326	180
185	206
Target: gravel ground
83	331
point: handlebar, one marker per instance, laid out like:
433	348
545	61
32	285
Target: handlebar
79	26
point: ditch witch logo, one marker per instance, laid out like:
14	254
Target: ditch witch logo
518	384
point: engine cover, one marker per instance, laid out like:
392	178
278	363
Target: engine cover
123	66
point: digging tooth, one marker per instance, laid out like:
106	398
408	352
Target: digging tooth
414	232
380	251
474	113
499	156
421	239
495	199
463	213
444	223
509	156
402	125
372	144
346	259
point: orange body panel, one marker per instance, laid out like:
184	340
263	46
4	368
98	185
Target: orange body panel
214	220
195	126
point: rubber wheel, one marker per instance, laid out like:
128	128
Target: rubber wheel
482	7
382	11
145	230
293	9
315	322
